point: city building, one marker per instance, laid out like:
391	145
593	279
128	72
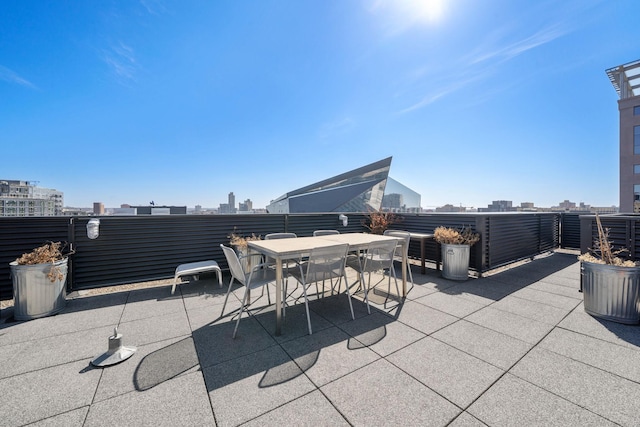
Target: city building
230	207
246	206
499	206
155	210
359	190
98	208
451	208
626	81
25	198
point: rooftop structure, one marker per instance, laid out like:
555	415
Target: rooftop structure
626	81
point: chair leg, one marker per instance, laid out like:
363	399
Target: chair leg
395	278
244	301
226	297
348	293
175	282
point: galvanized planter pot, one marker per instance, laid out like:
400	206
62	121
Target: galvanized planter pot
34	294
611	292
455	261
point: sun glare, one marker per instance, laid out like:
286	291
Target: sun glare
426	10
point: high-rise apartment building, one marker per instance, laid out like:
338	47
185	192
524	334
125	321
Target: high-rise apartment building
232	202
626	81
25	198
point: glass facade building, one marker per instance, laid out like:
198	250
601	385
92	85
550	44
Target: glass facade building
359	190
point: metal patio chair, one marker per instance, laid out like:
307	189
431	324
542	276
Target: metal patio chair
258	277
379	256
325	263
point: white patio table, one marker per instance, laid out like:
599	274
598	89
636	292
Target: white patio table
285	249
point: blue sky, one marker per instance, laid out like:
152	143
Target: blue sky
183	102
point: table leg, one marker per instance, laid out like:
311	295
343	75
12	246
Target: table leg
279	287
422	266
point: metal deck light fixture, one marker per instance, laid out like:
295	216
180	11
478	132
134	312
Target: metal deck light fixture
93	228
117	352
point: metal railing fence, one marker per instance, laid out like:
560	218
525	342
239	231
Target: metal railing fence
132	249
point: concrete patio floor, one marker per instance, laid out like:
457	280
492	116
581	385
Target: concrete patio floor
512	348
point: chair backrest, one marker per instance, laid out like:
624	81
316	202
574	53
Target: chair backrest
271	236
325	232
401	234
326	262
379	255
234	265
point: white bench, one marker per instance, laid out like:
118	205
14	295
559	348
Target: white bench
196	268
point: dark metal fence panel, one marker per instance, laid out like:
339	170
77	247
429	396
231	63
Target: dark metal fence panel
140	248
570	230
519	236
22	234
549	232
306	224
623	233
427	223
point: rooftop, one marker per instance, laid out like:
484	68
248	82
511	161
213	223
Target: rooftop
626	79
511	348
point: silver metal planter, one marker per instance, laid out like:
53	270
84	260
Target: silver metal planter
34	294
455	261
611	292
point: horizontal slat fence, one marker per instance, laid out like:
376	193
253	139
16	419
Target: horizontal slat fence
624	233
131	249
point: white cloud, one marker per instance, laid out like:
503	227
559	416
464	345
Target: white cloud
121	60
483	62
518	47
11	76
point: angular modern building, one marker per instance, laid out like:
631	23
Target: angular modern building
626	81
359	190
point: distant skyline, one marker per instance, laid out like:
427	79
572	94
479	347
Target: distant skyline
183	102
515	204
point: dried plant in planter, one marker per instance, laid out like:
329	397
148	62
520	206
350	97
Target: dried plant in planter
240	242
452	236
49	253
603	253
377	221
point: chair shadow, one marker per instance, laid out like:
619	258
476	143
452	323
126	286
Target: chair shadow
256	350
165	363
